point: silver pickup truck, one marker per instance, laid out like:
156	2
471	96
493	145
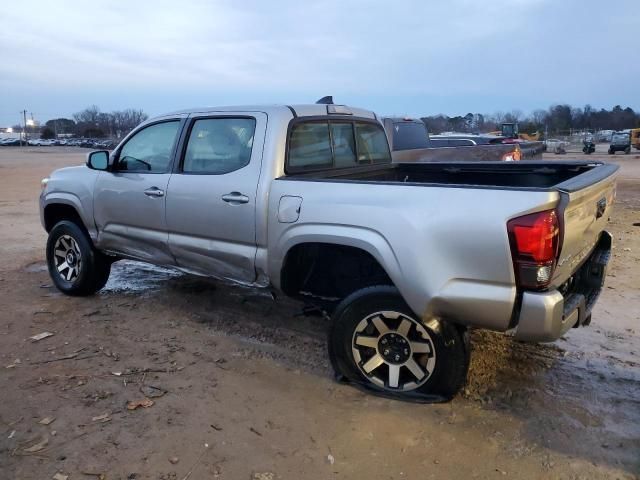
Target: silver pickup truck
305	200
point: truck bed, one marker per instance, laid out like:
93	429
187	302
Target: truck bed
565	176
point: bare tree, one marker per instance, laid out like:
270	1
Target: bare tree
90	115
126	120
118	123
539	117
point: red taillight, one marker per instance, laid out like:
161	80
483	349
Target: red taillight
513	156
534	242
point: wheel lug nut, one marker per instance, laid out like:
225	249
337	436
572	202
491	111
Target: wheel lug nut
386	351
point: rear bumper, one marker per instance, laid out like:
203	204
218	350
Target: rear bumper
546	316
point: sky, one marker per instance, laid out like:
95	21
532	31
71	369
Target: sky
403	57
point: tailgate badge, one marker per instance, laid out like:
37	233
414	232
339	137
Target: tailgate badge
601	206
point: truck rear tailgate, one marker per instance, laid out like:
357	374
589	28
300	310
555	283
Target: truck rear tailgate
585	207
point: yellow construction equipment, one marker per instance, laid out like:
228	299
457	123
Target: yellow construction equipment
511	130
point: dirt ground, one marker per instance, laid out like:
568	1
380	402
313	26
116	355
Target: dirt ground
249	391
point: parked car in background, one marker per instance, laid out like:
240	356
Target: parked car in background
410	142
306	200
464	139
554	145
620	142
10	142
604	135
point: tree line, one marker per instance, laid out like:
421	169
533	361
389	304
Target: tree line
555	120
92	123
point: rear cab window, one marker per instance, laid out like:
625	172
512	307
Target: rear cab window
335	143
409	136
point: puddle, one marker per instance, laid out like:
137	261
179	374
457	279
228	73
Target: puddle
128	276
36	267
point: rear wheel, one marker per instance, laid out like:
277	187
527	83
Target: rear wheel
627	150
377	342
612	151
75	267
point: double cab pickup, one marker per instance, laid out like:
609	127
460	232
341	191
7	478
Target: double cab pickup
306	200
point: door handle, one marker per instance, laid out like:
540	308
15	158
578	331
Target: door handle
235	198
154	192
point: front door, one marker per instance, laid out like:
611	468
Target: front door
211	197
129	201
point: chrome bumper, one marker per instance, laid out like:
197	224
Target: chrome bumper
546	316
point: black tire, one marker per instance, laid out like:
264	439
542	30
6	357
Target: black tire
612	151
93	268
445	366
627	150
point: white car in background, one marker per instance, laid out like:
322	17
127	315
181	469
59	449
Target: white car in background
556	146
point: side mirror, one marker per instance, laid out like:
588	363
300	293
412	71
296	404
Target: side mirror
98	160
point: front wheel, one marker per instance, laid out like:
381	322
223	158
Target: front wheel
612	151
377	342
75	266
627	150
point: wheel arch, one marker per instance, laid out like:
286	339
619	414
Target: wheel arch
306	253
65	207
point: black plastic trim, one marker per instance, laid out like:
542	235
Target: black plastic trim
589	178
293	112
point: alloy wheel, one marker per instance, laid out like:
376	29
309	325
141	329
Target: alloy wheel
67	258
393	351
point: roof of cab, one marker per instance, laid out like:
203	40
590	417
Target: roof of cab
302	110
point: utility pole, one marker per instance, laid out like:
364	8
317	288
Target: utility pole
24	127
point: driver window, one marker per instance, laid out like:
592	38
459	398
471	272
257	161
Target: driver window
150	149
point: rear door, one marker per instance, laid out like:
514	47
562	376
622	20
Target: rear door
211	197
129	200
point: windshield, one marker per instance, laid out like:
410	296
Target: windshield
620	137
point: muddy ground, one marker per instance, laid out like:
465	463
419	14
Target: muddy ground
249	390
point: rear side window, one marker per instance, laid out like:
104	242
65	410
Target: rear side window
318	145
219	145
